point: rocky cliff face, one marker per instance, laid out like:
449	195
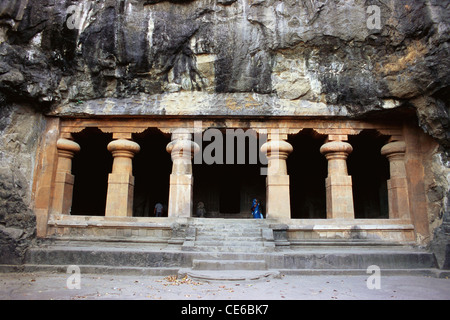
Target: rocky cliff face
20	129
349	58
359	55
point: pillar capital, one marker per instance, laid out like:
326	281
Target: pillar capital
395	153
395	149
277	149
336	153
67	148
181	148
336	149
123	148
123	152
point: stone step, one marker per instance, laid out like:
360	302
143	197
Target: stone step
227	221
350	258
425	272
236	233
229	234
370	243
104	256
133	256
92	269
229	243
229	265
229	228
215	232
243	241
227	249
229	275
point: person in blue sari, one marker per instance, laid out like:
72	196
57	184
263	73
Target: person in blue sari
256	210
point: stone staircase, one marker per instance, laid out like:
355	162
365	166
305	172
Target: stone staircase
229	235
236	249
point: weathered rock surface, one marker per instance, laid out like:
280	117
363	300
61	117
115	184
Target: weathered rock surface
322	51
20	128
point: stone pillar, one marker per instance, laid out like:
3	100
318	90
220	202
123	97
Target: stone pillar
397	184
338	183
119	201
182	150
278	205
63	192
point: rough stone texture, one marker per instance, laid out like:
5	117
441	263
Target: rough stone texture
320	51
19	132
296	54
237	57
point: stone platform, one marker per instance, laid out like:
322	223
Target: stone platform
133	258
224	249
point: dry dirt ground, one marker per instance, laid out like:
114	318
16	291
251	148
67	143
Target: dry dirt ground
49	286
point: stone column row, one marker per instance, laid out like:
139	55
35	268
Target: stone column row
119	201
339	193
120	193
338	184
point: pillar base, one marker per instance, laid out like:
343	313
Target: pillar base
398	198
339	197
278	198
62	202
181	195
119	202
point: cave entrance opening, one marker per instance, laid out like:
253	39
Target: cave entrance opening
91	167
151	169
229	176
369	170
307	169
